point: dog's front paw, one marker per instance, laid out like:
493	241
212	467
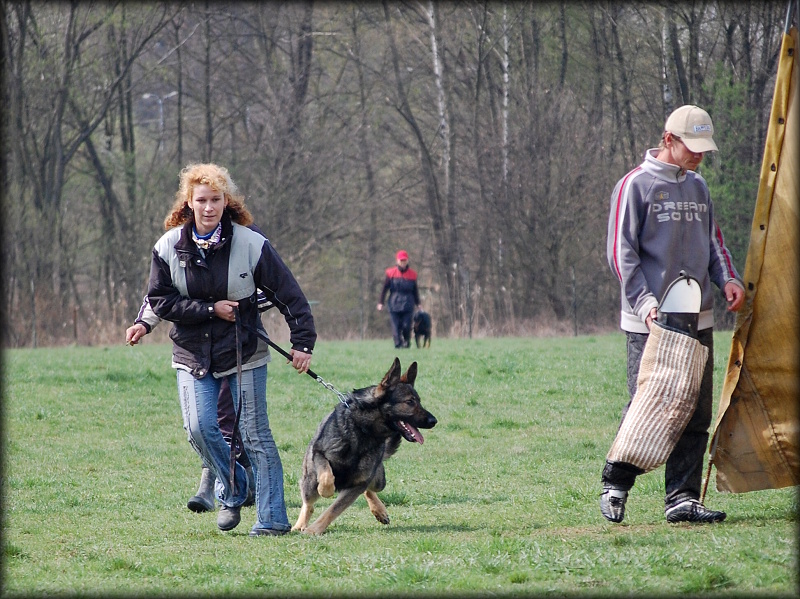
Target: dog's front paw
325	486
382	518
304	518
313	530
377	507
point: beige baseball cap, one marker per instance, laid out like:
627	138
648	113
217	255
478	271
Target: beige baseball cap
693	125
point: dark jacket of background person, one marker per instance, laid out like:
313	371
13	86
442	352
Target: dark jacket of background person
402	288
223	274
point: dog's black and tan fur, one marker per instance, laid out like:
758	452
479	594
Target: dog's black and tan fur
347	452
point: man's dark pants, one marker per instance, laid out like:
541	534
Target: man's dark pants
401	328
684	469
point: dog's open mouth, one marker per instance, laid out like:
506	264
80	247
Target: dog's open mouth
409	432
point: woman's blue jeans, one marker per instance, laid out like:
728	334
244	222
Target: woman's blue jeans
198	398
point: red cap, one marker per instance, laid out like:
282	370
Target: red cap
402	255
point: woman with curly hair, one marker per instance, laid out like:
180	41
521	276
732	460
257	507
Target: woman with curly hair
205	273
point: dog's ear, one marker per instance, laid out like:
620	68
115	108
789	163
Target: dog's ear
410	375
390	379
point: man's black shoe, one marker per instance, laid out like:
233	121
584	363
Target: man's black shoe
692	510
612	504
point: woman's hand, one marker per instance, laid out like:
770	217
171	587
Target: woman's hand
134	333
300	361
224	309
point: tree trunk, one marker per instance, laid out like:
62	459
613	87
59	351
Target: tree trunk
208	148
370	288
677	58
626	99
463	299
444	252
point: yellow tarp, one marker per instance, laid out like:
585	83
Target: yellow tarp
755	443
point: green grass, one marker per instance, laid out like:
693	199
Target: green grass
501	498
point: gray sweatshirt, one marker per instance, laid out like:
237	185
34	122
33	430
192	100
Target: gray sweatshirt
660	223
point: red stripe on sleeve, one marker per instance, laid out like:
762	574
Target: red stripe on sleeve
725	255
617	219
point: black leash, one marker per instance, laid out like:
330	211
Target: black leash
263	335
236	435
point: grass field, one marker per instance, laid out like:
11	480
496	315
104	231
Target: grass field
501	499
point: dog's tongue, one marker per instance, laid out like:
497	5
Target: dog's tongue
414	432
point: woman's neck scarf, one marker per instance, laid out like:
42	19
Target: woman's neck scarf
208	241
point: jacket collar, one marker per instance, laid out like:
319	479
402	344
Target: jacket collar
662	170
186	244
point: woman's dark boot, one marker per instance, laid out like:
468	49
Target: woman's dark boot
203	501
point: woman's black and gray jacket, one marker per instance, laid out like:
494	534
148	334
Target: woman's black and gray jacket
184	285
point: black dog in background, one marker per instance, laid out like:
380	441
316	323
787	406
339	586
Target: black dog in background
422	328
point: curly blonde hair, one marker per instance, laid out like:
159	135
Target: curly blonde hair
217	178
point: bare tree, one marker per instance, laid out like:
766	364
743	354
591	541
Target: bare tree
435	198
484	136
369	290
56	105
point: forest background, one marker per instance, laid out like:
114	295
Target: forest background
483	137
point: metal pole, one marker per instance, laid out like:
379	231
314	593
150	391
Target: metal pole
708	470
791	10
160	124
574	305
160	101
33	311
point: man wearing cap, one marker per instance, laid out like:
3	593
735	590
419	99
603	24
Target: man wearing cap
401	285
661	222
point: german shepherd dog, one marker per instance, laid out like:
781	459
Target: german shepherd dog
347	452
422	328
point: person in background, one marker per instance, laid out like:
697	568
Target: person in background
204	276
401	285
661	222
